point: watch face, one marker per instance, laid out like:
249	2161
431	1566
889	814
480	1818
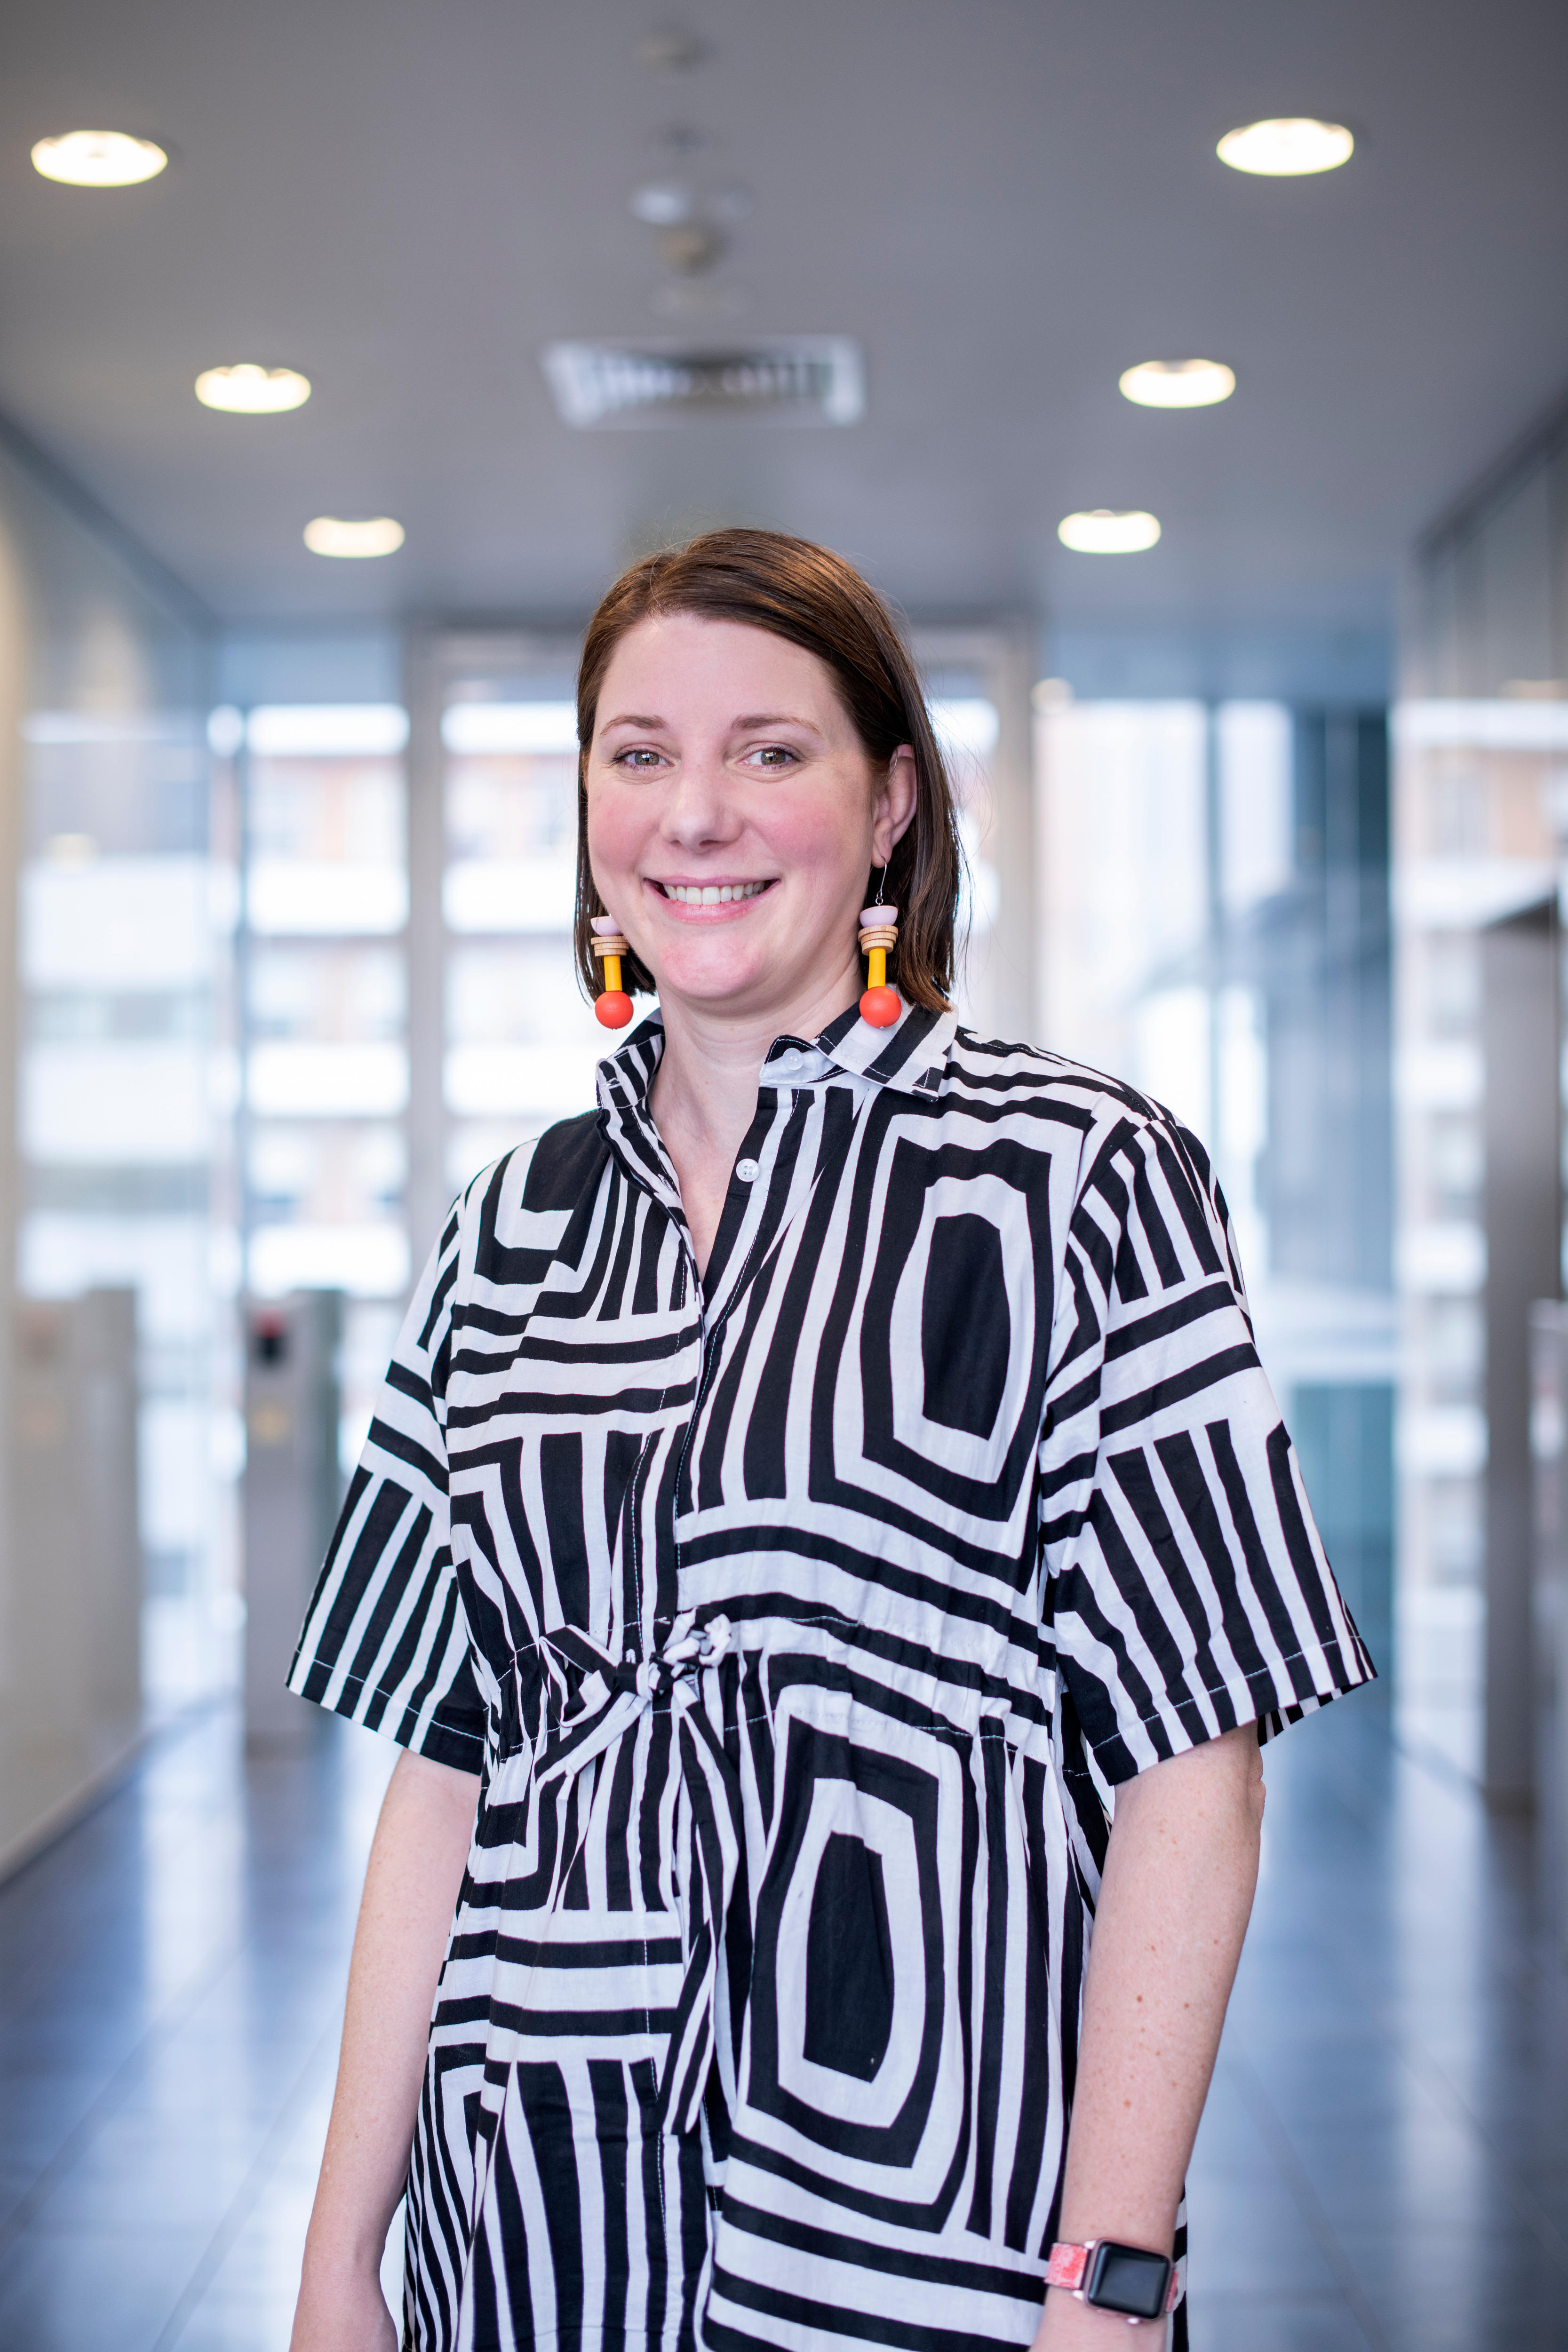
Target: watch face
1126	2279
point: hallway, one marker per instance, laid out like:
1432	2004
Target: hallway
1383	2163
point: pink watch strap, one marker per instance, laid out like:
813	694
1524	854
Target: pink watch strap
1068	2263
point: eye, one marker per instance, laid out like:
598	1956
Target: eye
639	757
774	756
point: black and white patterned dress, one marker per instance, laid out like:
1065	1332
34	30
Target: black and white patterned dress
801	1623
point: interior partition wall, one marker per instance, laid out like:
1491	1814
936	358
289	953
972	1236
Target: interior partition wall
114	952
1481	835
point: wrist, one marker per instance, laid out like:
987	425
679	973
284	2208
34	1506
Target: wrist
1069	2325
1136	2283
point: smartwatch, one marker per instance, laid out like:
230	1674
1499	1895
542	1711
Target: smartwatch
1128	2279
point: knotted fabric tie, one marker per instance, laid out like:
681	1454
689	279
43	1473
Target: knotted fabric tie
583	1702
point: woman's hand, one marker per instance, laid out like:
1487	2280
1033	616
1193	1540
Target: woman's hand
343	2313
411	1890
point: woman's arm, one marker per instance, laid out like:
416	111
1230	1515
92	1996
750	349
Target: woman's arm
411	1889
1173	1911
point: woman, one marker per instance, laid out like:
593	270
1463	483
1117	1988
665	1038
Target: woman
827	1515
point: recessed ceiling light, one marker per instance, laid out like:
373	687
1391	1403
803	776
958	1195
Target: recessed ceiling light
98	159
1106	531
1284	148
251	391
663	203
1178	384
332	535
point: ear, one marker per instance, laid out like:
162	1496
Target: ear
893	809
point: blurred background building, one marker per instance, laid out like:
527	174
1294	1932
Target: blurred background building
332	396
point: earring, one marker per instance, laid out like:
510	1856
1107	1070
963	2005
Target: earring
880	1006
614	1007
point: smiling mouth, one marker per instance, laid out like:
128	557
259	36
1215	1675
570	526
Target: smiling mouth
710	894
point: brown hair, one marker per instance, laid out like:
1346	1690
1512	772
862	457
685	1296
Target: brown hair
805	593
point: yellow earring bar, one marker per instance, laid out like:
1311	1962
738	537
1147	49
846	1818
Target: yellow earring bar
614	1007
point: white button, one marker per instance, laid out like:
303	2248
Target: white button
748	1171
631	1657
789	1061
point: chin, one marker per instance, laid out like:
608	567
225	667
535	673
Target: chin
713	978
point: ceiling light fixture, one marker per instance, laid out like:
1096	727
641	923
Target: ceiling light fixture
1178	384
1287	147
1109	530
246	390
98	159
333	535
663	203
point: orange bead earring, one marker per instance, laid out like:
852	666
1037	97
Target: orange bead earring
880	1006
614	1007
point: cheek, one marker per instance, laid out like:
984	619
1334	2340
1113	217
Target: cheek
817	836
617	826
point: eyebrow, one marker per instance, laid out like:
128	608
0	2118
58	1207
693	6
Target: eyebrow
646	723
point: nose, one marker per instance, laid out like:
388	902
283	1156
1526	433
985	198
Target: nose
699	810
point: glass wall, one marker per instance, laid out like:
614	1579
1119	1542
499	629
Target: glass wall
323	985
521	1042
1480	828
1213	928
977	682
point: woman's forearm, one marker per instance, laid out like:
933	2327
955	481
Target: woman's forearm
411	1889
1174	1900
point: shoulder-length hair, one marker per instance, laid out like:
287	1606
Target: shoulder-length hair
810	596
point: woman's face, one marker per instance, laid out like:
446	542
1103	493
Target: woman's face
734	817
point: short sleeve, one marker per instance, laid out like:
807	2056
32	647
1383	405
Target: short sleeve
1186	1590
385	1641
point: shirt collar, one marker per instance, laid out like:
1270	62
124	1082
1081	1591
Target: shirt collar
911	1056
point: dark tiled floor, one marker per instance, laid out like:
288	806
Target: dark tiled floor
1383	2167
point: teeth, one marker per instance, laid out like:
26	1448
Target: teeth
711	894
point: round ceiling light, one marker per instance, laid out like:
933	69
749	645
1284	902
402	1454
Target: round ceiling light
1287	147
98	159
246	390
663	203
1178	384
333	535
1107	531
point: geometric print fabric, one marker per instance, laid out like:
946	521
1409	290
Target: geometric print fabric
801	1623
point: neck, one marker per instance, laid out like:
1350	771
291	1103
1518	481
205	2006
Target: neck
705	1090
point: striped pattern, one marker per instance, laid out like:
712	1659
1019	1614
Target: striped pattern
802	1623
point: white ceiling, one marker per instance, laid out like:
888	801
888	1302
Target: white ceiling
1006	201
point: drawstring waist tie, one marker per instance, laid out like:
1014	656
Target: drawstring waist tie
566	1702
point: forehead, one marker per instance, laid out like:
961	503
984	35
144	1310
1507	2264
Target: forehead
672	665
